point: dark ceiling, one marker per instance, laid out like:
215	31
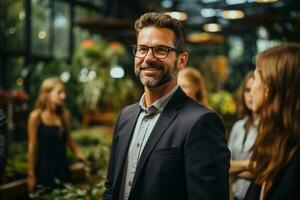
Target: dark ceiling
281	18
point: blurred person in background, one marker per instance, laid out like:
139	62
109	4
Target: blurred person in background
49	129
3	142
241	140
192	83
275	160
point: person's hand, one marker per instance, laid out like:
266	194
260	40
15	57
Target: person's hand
31	182
245	164
246	175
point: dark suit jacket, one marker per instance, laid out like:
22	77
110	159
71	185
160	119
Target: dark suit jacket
285	187
3	141
185	158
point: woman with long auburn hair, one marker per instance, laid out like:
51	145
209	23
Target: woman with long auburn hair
49	127
275	162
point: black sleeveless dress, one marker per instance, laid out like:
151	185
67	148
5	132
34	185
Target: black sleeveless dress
51	160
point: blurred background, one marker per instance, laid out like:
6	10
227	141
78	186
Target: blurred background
87	44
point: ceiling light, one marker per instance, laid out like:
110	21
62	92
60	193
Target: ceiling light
209	1
205	37
166	4
265	1
22	15
212	27
208	12
182	16
235	2
42	35
232	14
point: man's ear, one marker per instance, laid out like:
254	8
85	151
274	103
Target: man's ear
182	60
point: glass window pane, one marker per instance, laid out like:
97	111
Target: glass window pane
61	29
86	14
236	49
93	2
80	35
40	35
14	68
12	23
97	2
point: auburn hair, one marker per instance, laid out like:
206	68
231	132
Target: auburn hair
279	129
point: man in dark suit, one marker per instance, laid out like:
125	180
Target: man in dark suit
167	146
3	142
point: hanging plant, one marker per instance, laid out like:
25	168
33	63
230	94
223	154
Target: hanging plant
93	61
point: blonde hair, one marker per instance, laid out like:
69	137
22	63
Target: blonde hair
46	87
196	78
43	100
279	128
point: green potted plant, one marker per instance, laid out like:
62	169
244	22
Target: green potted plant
100	92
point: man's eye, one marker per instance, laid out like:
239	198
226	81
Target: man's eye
142	49
161	50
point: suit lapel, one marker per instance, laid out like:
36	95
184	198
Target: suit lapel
167	116
125	135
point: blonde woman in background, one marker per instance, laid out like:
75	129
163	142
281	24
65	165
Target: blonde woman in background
49	129
192	83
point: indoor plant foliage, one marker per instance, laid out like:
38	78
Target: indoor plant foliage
95	145
93	61
16	167
224	104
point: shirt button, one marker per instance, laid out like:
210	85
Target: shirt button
138	144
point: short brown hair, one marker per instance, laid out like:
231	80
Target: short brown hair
163	21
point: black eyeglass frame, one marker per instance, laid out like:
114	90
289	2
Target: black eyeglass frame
134	49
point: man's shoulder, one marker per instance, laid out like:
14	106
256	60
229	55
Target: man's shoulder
193	107
130	108
128	113
188	105
193	113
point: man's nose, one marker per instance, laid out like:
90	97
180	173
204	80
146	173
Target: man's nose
150	56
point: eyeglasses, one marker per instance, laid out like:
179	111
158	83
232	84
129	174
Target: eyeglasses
159	52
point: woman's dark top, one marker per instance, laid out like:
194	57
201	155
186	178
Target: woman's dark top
51	155
285	187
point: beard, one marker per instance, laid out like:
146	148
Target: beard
153	80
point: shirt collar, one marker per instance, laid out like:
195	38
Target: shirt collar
159	104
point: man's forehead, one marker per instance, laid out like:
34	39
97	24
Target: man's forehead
156	35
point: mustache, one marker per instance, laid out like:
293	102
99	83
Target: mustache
151	64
